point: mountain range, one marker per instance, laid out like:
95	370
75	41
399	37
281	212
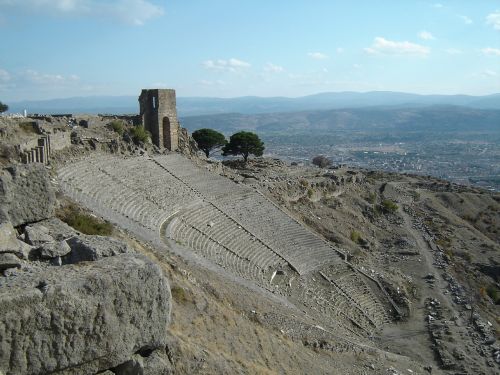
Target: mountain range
192	106
429	119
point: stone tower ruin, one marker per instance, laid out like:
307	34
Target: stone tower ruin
159	116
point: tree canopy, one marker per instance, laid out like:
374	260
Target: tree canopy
321	161
3	107
209	139
244	143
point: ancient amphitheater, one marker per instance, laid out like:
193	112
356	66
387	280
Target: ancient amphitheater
169	199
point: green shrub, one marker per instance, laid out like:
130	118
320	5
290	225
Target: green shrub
494	294
117	126
389	206
449	252
444	242
140	134
304	182
179	294
355	236
310	193
372	198
84	223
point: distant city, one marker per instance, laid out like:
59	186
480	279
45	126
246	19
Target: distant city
468	163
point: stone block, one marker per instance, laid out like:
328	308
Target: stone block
26	194
83	318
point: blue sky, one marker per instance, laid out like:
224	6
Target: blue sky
226	48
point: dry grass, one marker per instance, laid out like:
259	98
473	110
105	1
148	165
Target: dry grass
28	127
83	222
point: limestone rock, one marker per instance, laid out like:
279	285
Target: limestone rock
9	261
88	248
26	194
133	366
157	363
10	244
154	362
57	229
83	318
37	235
54	249
187	144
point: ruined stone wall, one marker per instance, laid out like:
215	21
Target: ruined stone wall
131	119
38	150
159	116
60	140
28	145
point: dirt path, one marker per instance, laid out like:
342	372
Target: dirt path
411	337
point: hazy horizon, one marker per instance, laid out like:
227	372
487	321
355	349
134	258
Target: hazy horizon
257	96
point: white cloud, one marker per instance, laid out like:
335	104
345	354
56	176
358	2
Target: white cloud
317	55
205	82
491	51
33	80
231	65
453	51
270	67
340	50
493	19
467	20
437	5
489	73
35	77
4	76
426	35
382	46
135	12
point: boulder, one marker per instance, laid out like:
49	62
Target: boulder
134	366
57	229
157	363
151	363
54	249
9	261
83	318
26	194
37	235
10	244
89	248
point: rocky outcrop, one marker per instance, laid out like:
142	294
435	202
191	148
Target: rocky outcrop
9	244
57	229
82	318
72	303
89	248
187	144
26	194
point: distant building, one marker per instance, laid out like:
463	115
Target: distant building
159	116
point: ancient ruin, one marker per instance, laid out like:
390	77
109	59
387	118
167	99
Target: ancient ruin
230	225
38	150
159	117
